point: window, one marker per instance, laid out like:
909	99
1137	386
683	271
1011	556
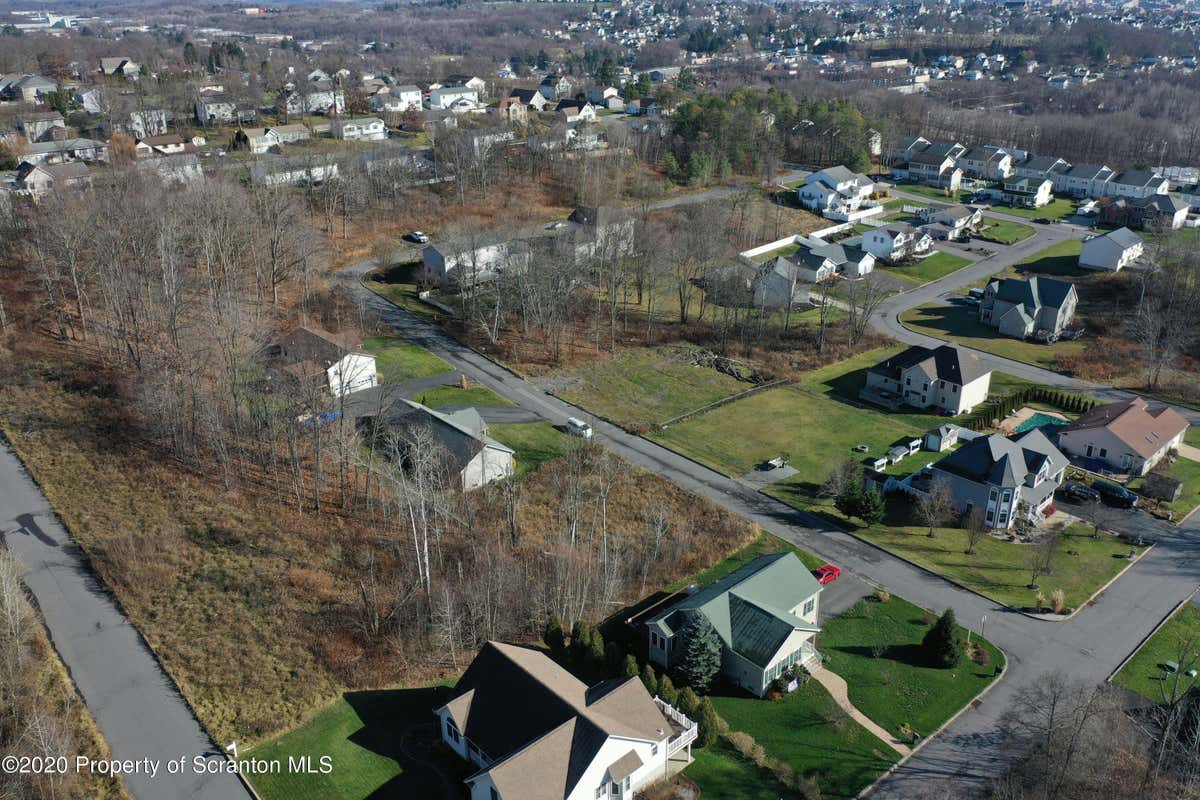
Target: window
908	381
993	494
1003	517
954	388
808	606
1007	496
990	516
941	384
601	792
1089	451
654	749
1103	452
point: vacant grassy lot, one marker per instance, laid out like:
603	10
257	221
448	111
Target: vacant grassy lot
807	730
1185	470
1000	569
1058	208
960	323
1006	231
398	360
648	386
1060	259
534	443
765	544
938	265
1178	640
898	687
456	395
933	193
362	733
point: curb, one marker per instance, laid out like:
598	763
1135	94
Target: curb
970	704
1170	615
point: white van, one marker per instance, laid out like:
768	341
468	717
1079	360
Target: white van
577	427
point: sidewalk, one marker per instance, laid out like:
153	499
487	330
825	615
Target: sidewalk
837	689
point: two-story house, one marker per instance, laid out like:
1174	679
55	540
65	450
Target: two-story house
1129	436
362	129
308	351
1136	183
1083	180
1040	167
996	474
957	220
1027	192
835	189
987	162
947	377
1037	306
442	98
896	241
1112	250
937	165
399	100
536	732
765	613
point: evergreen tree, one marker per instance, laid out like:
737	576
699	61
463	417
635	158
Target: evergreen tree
700	661
581	641
849	499
671	166
552	635
871	508
649	679
596	655
941	644
689	702
709	723
667	691
614	657
630	667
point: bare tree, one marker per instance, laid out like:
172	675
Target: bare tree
976	529
863	298
1040	555
935	506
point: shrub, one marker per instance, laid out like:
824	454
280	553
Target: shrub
709	723
552	635
667	691
581	641
649	679
981	656
808	788
689	701
882	595
1039	601
596	654
1058	599
630	666
742	742
941	644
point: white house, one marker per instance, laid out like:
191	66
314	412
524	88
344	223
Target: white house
765	613
536	732
896	241
947	377
1112	250
315	99
987	162
1136	183
1083	180
958	219
215	108
399	100
1040	167
836	192
1128	436
40	179
442	98
366	129
1027	192
338	357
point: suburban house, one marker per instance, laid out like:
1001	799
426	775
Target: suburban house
947	377
1026	192
1040	167
530	97
148	122
57	151
215	108
442	98
397	101
907	147
1129	436
608	97
120	66
40	179
464	448
167	145
576	110
295	132
174	170
256	140
641	107
958	220
474	82
276	171
42	125
937	165
1136	183
765	613
1039	306
339	359
1083	180
513	111
987	162
25	88
1144	213
896	241
1112	250
995	474
315	98
836	192
363	129
536	732
553	87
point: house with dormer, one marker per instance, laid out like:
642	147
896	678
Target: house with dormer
1034	307
947	378
836	191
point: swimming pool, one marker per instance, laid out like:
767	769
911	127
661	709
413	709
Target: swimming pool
1040	420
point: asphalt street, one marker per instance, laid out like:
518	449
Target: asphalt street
136	706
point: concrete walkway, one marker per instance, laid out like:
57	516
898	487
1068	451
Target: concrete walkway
836	686
1189	452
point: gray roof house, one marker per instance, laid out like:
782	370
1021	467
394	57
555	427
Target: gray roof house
994	474
947	377
1036	306
765	613
536	732
1112	250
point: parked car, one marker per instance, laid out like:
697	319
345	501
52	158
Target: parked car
1043	221
420	237
827	574
577	427
1115	495
1079	492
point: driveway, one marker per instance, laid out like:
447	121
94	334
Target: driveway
136	706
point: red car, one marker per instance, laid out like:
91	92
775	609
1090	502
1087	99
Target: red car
827	574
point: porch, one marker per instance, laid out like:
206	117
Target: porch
683	731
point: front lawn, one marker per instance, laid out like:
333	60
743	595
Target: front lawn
721	772
648	386
933	192
1005	231
1058	208
1061	260
808	731
959	323
1177	640
534	443
458	396
362	734
1000	570
398	360
896	687
924	270
404	295
1186	470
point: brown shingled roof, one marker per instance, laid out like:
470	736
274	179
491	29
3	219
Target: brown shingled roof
1142	429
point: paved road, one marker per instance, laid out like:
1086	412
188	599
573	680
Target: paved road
137	707
1089	646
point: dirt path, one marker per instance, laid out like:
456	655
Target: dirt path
837	689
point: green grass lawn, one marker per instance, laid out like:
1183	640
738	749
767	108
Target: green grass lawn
1177	640
933	193
938	265
405	296
398	360
999	569
361	734
898	688
785	251
534	443
765	544
647	386
1060	259
1185	470
723	774
807	730
1006	232
1192	436
456	395
1058	208
960	324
